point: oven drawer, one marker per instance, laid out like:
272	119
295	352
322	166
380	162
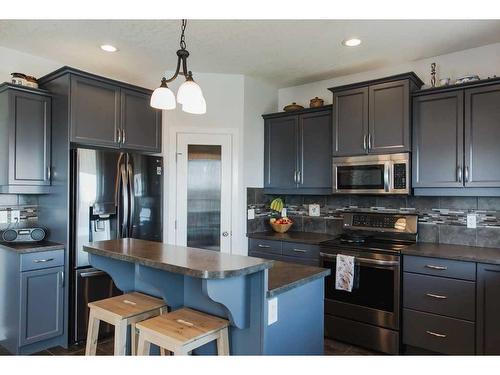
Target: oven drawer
266	246
43	259
438	333
440	267
300	250
439	295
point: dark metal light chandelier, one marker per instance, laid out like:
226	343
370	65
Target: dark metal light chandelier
189	94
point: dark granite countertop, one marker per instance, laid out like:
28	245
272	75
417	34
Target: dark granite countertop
301	237
284	276
189	261
31	247
455	252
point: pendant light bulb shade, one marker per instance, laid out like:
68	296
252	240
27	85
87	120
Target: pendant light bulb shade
163	97
195	107
189	92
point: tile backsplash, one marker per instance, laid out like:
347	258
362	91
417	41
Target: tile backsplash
26	204
441	219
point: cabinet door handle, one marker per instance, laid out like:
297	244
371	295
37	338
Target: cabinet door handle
62	279
364	142
439	268
43	260
123	136
466	173
435	334
299	250
49	173
459	174
119	135
369	141
435	296
264	246
299	177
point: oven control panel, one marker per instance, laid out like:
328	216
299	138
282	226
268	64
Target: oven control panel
381	222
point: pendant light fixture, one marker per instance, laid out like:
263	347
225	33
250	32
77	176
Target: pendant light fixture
189	94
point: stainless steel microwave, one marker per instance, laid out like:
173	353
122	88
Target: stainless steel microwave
372	174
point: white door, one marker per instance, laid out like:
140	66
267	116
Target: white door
204	180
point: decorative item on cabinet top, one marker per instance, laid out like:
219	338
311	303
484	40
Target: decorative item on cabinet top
292	107
316	102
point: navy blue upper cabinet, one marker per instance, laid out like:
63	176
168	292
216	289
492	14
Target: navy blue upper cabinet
104	112
297	152
140	123
95	112
373	117
25	138
455	139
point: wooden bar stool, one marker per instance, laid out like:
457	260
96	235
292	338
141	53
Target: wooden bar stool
121	311
182	331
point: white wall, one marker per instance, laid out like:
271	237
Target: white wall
484	61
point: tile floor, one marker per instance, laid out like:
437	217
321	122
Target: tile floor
105	347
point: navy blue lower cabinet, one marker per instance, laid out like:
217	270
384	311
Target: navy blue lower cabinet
42	305
285	251
488	309
32	300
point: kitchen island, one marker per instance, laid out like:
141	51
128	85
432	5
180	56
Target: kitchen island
273	309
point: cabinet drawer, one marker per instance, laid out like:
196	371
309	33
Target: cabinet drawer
264	246
44	259
300	250
439	295
440	267
438	333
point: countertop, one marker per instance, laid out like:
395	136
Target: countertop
31	247
301	237
284	276
455	252
189	261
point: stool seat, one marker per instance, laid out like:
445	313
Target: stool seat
183	330
121	312
128	305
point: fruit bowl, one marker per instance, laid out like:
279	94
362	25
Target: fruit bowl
281	227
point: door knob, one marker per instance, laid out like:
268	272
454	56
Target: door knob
225	234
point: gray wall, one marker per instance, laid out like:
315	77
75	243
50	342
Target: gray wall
441	219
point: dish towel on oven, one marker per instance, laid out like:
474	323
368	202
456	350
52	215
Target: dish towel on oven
344	272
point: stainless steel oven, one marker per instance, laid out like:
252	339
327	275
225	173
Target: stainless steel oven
369	315
372	174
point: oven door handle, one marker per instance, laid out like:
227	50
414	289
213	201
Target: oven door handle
376	262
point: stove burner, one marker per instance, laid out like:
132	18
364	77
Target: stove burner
353	238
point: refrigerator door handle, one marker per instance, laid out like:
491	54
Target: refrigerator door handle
125	195
130	175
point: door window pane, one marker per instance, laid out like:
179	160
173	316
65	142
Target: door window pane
204	196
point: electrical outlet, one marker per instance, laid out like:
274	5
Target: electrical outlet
15	216
471	221
272	311
4	219
251	214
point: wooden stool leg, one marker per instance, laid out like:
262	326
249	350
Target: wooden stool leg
121	338
223	342
92	334
133	339
143	346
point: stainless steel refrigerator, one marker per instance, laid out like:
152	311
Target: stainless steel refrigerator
114	195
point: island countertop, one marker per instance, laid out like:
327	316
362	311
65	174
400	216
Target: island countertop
205	264
284	276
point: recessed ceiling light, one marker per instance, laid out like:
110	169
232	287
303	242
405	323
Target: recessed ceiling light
109	48
353	42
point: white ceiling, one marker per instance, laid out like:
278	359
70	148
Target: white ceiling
285	53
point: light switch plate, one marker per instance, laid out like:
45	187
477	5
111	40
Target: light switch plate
3	217
272	311
251	214
471	221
